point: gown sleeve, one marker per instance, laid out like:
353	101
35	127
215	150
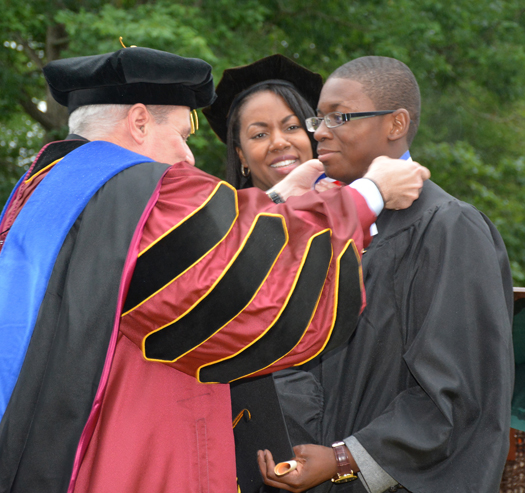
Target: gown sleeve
456	302
228	284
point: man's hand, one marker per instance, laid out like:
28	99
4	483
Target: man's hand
399	181
315	465
300	180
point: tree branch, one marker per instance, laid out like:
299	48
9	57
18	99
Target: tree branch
61	42
32	110
56	41
30	52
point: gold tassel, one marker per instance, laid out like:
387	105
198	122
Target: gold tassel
192	124
123	45
196	120
239	417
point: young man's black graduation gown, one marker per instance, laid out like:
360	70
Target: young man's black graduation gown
426	380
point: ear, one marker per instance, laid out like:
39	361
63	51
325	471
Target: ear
139	122
242	158
400	123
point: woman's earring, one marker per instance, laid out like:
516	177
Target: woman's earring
245	171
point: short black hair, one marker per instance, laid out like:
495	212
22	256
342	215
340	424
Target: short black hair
291	97
389	83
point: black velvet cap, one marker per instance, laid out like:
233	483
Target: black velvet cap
130	76
274	68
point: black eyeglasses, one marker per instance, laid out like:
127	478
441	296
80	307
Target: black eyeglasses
336	119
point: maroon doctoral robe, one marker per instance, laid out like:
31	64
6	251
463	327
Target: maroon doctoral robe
215	285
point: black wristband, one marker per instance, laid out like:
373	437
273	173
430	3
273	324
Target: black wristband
276	198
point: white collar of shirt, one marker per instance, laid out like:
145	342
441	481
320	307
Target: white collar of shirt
368	189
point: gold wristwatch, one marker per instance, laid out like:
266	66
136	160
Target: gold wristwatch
344	474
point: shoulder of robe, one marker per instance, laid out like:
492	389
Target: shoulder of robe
434	209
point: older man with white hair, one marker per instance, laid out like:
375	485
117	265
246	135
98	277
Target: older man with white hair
127	286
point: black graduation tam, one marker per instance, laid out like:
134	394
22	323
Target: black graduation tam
274	68
129	76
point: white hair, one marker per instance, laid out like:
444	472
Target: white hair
96	121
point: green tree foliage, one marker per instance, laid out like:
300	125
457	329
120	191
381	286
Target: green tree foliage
468	56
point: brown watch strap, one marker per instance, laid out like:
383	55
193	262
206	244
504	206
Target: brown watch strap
344	468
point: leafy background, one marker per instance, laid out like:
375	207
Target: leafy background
468	56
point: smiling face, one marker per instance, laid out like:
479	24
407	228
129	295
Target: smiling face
347	151
273	142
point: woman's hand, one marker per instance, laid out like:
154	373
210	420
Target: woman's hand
327	184
300	180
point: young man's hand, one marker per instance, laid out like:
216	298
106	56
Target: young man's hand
315	465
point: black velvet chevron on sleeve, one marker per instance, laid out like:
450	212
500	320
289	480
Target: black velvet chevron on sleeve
170	256
243	279
291	325
349	299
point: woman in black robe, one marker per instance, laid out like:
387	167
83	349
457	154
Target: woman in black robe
260	114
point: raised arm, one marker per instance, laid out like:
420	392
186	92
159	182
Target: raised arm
220	274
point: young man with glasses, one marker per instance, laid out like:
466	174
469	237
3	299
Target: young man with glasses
419	399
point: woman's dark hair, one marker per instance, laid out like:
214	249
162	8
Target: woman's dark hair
291	97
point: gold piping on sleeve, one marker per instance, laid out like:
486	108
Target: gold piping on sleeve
175	227
215	190
285	304
49	166
217	282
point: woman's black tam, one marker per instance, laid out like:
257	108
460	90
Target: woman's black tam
274	69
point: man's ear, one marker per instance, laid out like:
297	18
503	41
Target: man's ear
400	123
139	122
